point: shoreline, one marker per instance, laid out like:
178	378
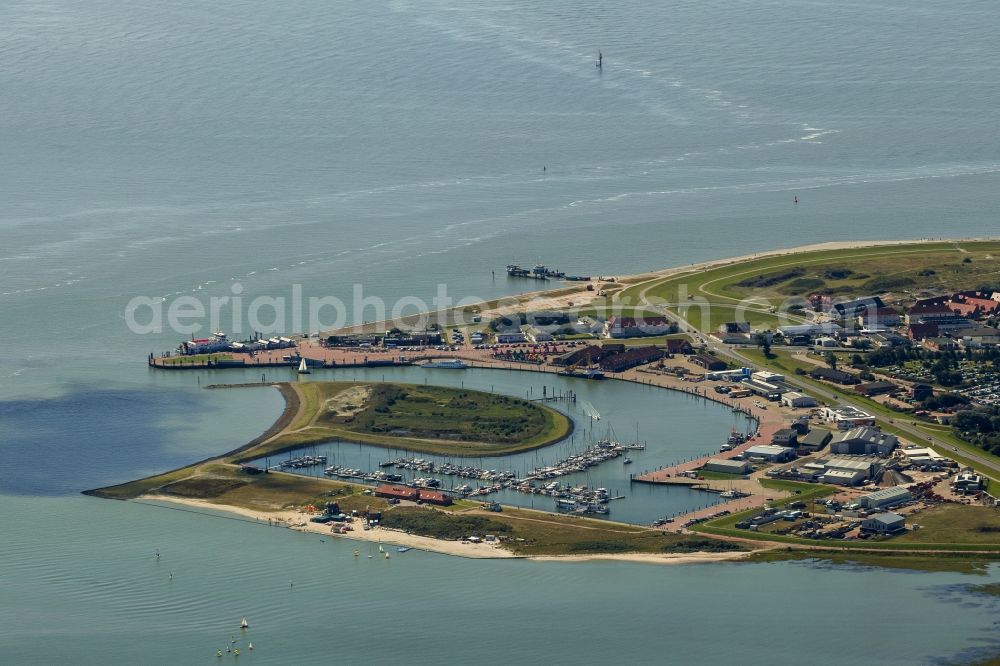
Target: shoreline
299	521
509	304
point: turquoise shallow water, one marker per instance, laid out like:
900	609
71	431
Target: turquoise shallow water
91	591
161	150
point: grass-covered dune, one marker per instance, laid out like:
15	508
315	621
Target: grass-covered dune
433	419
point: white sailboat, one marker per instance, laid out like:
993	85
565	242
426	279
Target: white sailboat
303	368
244	624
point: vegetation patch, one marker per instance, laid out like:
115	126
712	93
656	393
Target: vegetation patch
441	525
804	285
202	487
598	547
955	523
840	274
702	546
434	419
771	279
888	283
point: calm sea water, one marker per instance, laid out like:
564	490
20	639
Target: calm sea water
164	149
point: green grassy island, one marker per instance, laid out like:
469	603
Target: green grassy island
432	419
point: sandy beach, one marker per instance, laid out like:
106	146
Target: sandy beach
298	520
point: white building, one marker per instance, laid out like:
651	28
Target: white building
797	400
843	477
535	334
634	327
847	417
866	466
885	498
727	375
767	377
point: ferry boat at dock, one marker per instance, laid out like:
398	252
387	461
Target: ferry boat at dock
539	272
455	364
584	374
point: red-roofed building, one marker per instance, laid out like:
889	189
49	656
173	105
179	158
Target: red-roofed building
434	497
397	492
974	304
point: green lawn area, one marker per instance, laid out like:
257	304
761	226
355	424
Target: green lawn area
421	418
955	523
709	317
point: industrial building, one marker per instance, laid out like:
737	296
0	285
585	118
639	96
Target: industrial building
815	439
796	400
864	440
843	477
769	453
768	391
767	377
785	437
728	375
835	376
884	523
877	388
857	464
708	362
967	481
885	498
728	466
